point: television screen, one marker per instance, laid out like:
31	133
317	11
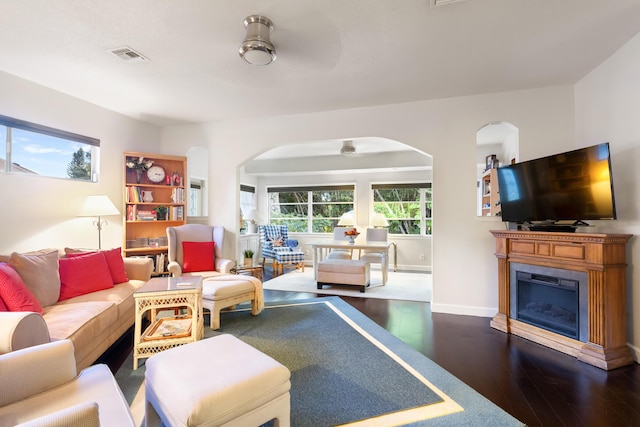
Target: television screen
576	185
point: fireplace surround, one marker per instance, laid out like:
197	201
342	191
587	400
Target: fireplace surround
594	265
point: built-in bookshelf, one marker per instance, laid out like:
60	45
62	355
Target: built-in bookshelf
490	198
155	198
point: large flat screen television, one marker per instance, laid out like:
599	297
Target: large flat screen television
573	186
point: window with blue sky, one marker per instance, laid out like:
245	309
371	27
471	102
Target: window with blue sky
30	148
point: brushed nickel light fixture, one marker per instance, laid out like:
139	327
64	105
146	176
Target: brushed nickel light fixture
257	48
347	148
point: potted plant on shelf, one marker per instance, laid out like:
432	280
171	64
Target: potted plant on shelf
248	258
161	213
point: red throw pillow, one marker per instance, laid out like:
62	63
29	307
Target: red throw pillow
114	261
2	306
198	256
14	293
116	265
83	274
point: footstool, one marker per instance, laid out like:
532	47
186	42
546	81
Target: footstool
213	382
227	290
343	272
293	258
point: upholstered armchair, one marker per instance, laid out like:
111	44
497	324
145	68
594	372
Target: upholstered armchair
41	387
192	243
196	250
274	239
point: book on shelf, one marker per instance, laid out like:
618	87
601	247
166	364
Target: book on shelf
176	213
177	195
132	212
146	215
160	263
132	194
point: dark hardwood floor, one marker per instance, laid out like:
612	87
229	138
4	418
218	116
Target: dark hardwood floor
537	385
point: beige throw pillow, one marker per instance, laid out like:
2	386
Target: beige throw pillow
39	271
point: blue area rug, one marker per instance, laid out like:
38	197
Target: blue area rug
347	370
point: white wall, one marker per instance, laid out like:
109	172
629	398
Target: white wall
607	105
464	266
38	212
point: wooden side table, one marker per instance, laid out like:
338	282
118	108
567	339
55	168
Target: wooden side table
162	293
254	270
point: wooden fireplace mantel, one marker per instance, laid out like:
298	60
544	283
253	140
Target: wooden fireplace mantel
603	258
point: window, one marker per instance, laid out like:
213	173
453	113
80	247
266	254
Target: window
247	196
407	207
196	187
30	148
310	209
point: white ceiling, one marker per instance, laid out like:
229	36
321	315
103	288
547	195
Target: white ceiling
332	54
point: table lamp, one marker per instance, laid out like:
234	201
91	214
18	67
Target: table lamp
252	216
347	219
379	220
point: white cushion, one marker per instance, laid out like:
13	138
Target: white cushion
81	415
342	266
222	289
22	329
239	379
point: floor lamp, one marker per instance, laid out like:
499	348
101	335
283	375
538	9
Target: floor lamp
99	205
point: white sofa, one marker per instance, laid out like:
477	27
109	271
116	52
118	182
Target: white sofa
92	322
41	387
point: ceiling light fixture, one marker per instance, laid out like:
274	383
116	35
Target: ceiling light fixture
257	48
347	148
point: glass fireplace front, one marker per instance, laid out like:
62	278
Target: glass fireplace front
549	298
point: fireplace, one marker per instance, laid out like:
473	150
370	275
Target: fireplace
562	274
550	298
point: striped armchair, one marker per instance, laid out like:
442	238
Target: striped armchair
273	239
276	245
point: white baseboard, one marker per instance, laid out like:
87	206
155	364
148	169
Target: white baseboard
464	310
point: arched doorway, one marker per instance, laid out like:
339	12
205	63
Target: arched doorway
377	161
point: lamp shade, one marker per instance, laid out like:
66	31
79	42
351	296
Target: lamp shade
98	205
347	219
379	220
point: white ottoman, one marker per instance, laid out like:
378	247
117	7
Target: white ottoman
343	272
214	382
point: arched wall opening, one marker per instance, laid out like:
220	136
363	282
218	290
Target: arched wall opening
377	161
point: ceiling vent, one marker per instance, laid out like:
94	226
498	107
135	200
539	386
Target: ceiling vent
127	54
347	148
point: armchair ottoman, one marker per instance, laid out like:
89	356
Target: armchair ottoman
220	381
294	258
343	272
